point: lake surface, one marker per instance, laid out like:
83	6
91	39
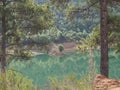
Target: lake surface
42	67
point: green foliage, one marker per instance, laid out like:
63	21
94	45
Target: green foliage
22	53
60	4
41	39
114	32
25	18
25	54
61	48
15	81
72	23
93	40
70	82
36	18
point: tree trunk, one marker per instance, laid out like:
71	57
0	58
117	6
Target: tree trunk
3	47
104	68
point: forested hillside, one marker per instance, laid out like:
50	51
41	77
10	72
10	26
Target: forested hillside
59	44
76	28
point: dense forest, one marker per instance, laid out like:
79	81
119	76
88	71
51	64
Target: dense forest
59	44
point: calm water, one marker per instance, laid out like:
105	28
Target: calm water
42	67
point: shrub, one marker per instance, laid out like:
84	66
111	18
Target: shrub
70	82
15	81
61	48
41	39
25	54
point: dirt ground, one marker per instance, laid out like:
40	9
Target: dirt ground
53	49
68	47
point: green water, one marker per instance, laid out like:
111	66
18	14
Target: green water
40	68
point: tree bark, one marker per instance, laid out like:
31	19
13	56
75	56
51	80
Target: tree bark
3	42
104	65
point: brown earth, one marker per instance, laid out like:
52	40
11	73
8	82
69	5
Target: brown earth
68	47
103	83
53	49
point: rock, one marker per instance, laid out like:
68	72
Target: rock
103	83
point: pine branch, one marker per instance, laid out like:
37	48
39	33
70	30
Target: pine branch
79	9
